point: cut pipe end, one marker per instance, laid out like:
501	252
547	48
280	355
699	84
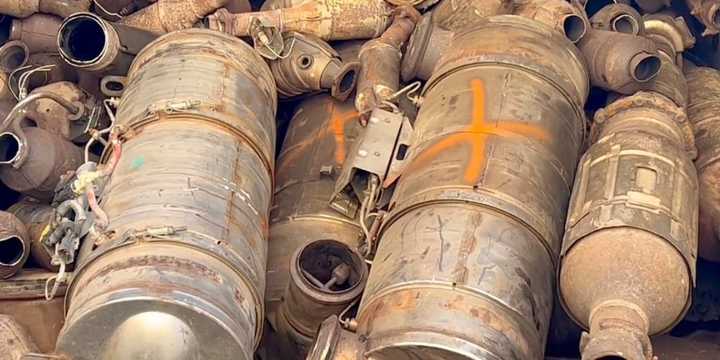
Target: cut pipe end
84	40
625	24
13	55
644	67
10	145
574	27
12	251
345	81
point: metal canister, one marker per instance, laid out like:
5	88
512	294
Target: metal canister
182	273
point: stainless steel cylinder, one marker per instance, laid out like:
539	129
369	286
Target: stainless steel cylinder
182	274
318	139
465	261
704	115
628	257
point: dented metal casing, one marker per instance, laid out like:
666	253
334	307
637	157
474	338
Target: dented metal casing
465	261
38	32
182	273
704	115
312	65
36	216
89	43
166	16
628	257
25	8
320	135
14	245
326	19
427	44
458	15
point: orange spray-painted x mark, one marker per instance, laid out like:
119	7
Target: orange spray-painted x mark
476	135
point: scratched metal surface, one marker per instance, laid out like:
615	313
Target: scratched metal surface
198	156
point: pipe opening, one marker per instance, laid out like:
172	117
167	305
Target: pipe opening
82	39
574	28
348	81
646	68
13	55
12	250
9	147
5	28
330	266
593	6
625	24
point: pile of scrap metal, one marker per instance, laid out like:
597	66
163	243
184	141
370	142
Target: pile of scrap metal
452	170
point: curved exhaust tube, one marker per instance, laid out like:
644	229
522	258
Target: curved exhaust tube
459	15
188	281
704	86
379	77
88	42
620	62
461	227
25	8
628	259
560	15
14	245
342	20
620	18
427	44
708	13
13	55
312	65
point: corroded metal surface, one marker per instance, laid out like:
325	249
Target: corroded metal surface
326	19
465	261
631	237
425	47
458	15
14	339
48	115
13	54
14	244
38	32
182	272
320	134
704	115
36	216
171	15
25	8
564	17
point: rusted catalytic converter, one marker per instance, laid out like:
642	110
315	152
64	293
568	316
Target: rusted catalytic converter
628	258
35	216
564	17
704	114
38	31
465	260
708	13
379	77
326	19
25	8
88	42
313	65
182	273
457	15
14	244
309	241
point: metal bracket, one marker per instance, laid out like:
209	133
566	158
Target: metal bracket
378	152
267	40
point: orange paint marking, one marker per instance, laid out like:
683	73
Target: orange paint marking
476	135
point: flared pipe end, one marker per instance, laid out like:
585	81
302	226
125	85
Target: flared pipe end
644	67
10	146
13	55
574	27
86	41
625	24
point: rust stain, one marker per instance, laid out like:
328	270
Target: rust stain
476	135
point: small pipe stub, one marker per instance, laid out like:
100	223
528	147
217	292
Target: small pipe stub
621	18
13	55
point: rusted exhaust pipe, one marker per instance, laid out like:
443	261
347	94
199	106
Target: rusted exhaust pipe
38	32
166	16
321	133
704	114
14	339
14	245
379	77
620	62
561	15
708	13
621	18
88	42
13	55
25	8
465	258
36	216
34	165
339	20
628	258
427	44
458	15
182	272
313	65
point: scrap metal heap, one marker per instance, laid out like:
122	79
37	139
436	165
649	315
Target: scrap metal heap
450	171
